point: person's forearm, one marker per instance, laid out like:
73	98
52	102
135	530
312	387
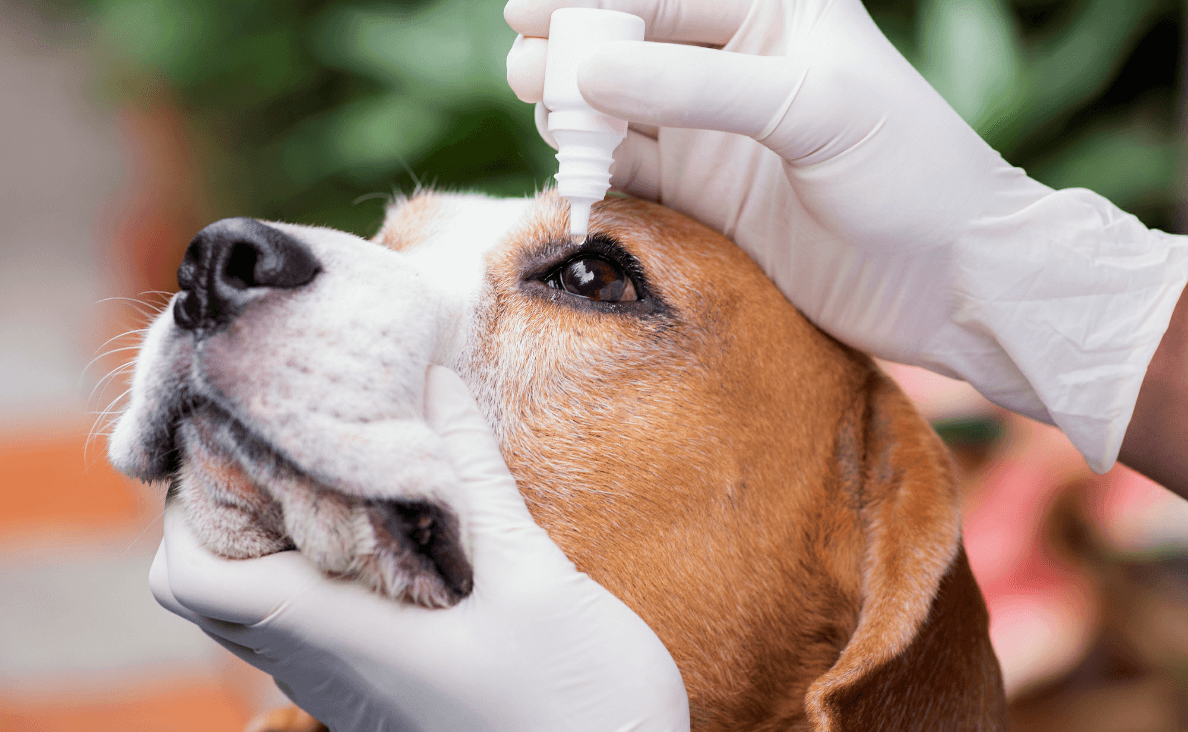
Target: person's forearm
1156	442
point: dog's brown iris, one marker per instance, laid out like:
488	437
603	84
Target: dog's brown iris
595	278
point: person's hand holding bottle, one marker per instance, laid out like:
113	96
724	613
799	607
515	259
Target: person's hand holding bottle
805	136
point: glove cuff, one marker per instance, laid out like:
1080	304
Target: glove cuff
1060	308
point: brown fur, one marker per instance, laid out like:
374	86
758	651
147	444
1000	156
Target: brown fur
762	496
411	223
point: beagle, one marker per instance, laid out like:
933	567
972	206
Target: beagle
764	497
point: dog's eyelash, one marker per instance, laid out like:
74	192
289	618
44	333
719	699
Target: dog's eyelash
611	250
543	268
600	246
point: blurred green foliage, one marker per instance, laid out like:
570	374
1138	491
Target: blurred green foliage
1080	93
315	111
304	107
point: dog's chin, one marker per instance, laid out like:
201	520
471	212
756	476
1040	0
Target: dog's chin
245	499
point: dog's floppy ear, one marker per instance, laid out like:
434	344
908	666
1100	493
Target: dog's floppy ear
920	658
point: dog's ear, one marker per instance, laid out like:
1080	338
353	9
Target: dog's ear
920	658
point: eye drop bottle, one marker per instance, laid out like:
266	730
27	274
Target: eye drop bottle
586	139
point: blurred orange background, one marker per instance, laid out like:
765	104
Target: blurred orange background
94	201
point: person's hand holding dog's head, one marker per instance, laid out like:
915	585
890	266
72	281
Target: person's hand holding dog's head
537	645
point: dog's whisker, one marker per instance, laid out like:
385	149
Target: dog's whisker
144	310
151	523
125	334
109	378
96	428
111	352
117	298
137	334
131	300
95	433
368	197
101	387
411	173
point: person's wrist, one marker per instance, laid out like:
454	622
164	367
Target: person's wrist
1153	445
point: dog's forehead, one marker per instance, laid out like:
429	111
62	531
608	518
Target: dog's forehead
466	223
448	236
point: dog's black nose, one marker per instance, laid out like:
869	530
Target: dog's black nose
228	261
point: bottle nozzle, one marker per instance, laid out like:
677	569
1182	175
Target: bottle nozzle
579	216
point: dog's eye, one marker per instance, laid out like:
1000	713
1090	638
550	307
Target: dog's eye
593	278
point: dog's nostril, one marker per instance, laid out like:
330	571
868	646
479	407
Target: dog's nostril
187	311
231	257
240	271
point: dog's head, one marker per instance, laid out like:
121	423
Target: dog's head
761	495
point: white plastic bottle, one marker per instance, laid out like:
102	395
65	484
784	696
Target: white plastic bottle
586	139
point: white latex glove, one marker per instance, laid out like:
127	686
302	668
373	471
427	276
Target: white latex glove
536	646
875	208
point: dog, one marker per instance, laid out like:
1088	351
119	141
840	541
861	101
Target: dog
764	497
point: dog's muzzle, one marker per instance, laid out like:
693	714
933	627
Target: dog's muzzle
201	430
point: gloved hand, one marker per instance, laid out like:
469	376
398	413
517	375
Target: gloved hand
536	646
875	208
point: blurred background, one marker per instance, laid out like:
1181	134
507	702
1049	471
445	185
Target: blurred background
128	124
